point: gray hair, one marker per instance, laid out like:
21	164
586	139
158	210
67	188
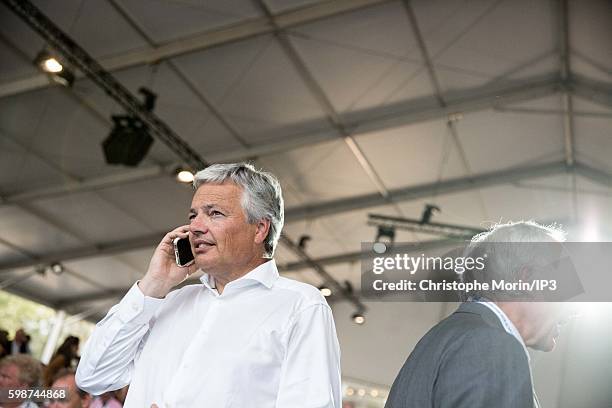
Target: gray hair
507	262
262	196
30	369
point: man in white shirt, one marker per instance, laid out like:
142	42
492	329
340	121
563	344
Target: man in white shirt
245	337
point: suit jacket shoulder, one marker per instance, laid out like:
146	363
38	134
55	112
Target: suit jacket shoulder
467	360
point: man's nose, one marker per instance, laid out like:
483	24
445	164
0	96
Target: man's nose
199	225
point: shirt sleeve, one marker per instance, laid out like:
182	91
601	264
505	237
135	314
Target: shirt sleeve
310	376
107	361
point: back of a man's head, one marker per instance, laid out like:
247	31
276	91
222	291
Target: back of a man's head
511	253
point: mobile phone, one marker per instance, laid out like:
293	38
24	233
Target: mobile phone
182	252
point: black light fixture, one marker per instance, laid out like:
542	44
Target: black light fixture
129	140
303	241
56	70
428	213
385	234
128	143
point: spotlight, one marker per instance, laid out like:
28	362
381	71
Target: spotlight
57	268
428	212
325	291
56	70
128	143
48	63
358	318
52	65
361	392
385	234
350	391
303	241
184	176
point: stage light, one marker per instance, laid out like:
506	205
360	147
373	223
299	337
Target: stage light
325	291
57	268
428	213
184	176
48	62
385	234
303	241
52	65
128	143
358	318
56	70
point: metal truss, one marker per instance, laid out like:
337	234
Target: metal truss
80	59
361	122
328	208
224	35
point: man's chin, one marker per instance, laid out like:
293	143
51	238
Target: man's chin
204	264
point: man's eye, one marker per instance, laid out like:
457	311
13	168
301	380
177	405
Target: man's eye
215	212
191	216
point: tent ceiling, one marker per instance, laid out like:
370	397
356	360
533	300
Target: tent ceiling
227	85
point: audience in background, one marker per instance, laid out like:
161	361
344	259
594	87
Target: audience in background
19	371
64	357
106	400
76	398
20	343
121	394
5	343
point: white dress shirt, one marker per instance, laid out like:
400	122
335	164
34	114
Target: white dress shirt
266	341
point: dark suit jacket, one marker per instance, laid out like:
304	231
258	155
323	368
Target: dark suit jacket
466	360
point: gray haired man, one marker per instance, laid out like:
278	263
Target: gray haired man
244	337
477	357
18	373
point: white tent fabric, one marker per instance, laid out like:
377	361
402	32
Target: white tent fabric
366	104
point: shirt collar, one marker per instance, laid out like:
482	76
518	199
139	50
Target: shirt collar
266	274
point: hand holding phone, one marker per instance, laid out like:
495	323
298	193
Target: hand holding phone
164	273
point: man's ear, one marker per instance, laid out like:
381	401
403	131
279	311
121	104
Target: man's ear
263	227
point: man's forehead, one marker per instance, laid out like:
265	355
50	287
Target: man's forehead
9	369
67	380
214	193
